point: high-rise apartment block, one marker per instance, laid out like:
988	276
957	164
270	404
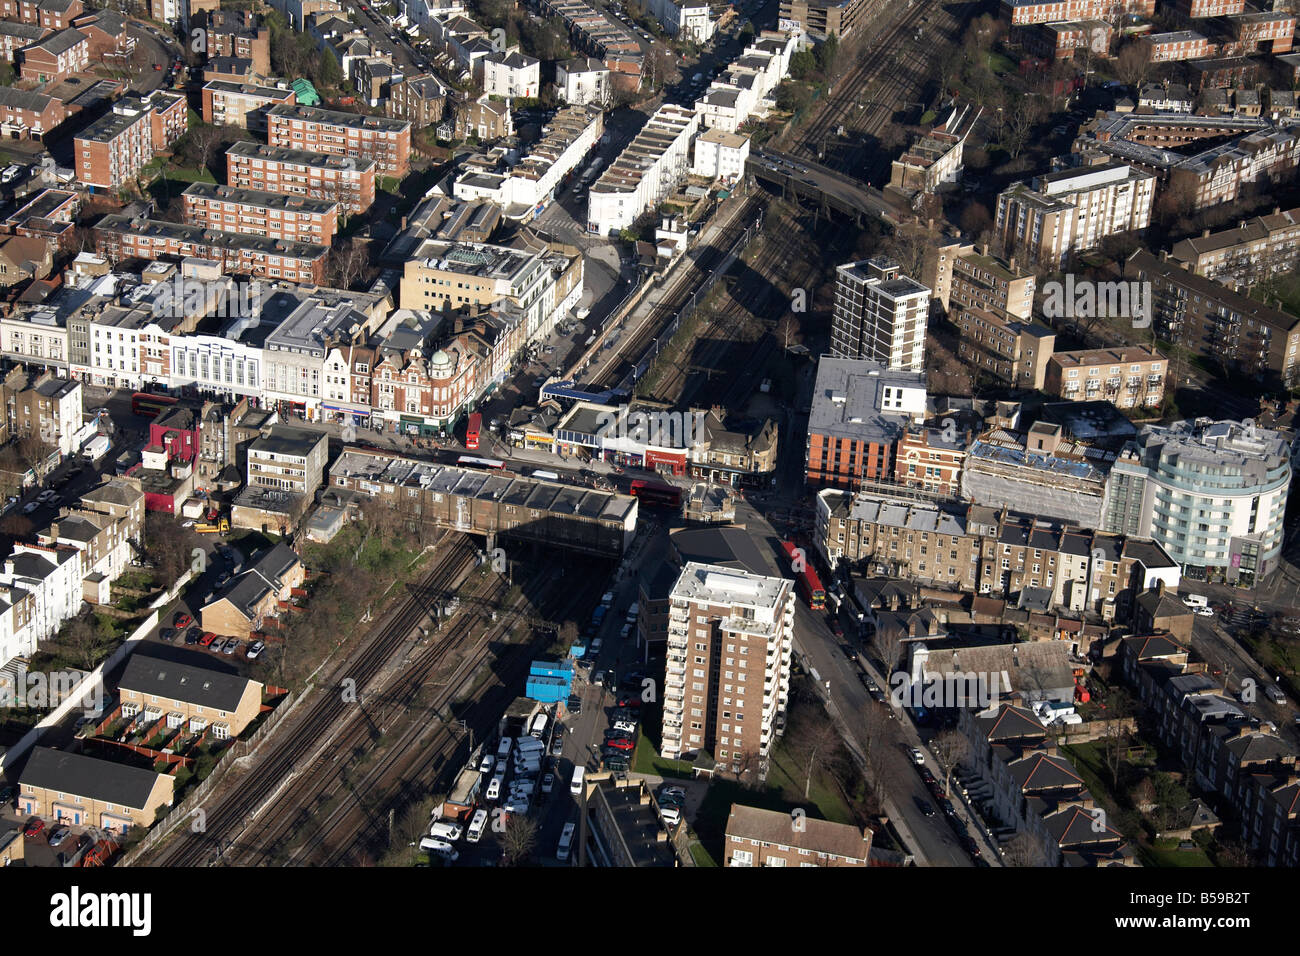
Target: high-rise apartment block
880	315
730	640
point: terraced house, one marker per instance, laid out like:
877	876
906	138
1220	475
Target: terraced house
86	791
56	56
196	698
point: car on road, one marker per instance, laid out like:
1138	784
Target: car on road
255	650
835	627
929	778
207	639
923	806
58	835
1204	612
34	826
918	758
182	620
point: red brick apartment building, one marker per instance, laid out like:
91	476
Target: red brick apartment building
256	213
1175	47
242	104
236	33
767	838
860	409
1026	12
14	36
113	149
386	141
50	14
58	55
121	238
29	115
1199	9
295	172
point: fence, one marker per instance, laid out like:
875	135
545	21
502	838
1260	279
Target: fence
185	809
96	677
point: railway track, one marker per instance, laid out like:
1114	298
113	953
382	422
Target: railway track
611	370
680	382
894	70
290	813
228	812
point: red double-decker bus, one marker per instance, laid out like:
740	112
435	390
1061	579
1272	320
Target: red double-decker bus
472	430
146	403
810	586
656	493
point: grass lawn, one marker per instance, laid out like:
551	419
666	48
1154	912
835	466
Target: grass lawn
1167	854
1001	63
647	760
701	856
1284	287
190	174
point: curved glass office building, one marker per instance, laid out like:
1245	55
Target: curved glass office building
1212	494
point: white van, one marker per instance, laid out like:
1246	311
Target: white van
443	830
538	729
1195	600
494	788
566	841
575	785
503	748
529	745
439	848
477	825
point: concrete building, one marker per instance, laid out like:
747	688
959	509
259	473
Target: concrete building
820	18
1129	377
1253	251
1218	323
288	459
935	158
1013	352
1072	210
859	411
345	180
879	315
649	169
46	406
733	633
1212	494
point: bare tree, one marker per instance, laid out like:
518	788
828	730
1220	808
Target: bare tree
1023	850
348	262
1133	62
789	331
951	748
80	638
519	838
1024	114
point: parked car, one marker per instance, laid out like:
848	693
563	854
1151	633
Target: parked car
34	826
621	743
232	645
255	650
192	636
918	758
924	807
548	782
166	634
207	639
557	745
7	795
182	620
486	764
58	835
30	507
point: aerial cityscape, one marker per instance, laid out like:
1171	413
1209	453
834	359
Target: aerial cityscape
649	433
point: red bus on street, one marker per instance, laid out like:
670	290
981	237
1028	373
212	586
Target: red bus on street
472	430
655	493
146	403
810	586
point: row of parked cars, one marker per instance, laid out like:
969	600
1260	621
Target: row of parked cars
184	628
935	786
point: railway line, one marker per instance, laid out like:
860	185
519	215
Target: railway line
716	344
609	371
892	72
229	811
